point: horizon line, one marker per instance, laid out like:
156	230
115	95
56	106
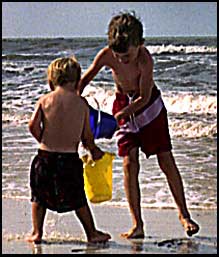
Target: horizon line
102	37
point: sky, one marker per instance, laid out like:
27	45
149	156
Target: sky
91	19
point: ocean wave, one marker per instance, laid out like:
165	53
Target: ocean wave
190	115
15	118
154	50
191	129
189	103
17	71
24	56
180	103
173	49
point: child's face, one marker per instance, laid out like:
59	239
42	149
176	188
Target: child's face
128	56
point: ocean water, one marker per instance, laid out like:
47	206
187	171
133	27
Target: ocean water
185	70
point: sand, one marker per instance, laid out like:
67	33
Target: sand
64	234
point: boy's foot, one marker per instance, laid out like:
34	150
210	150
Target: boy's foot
134	233
189	225
33	238
99	237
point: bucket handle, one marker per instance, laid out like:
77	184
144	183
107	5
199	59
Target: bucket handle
98	109
99	113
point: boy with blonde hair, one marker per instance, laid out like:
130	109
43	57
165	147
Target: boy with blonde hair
59	122
140	113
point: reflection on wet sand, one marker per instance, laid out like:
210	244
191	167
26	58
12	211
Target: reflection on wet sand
133	246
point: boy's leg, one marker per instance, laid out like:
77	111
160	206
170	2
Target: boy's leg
168	166
38	215
131	184
93	235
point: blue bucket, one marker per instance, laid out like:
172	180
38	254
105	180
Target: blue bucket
103	125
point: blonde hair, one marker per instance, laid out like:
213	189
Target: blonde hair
63	70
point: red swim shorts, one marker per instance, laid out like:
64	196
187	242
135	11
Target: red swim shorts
152	138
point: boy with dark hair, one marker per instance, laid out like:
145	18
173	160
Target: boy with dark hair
141	115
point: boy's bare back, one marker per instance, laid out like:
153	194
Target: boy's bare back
61	118
64	115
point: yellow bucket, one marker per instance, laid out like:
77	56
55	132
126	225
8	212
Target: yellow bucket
98	178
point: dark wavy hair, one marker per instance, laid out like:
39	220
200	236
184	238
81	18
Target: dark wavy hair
125	30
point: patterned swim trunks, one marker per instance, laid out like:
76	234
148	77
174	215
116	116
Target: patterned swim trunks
56	181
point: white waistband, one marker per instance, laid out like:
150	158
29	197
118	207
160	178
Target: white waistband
142	119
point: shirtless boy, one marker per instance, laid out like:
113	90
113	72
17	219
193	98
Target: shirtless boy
141	115
60	121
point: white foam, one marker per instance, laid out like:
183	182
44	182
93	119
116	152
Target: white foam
160	49
183	103
189	103
191	129
104	97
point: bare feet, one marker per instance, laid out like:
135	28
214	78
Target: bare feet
134	233
189	225
33	238
99	237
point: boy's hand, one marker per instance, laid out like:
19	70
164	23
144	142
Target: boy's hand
96	153
120	116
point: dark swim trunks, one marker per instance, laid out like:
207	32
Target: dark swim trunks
56	181
147	129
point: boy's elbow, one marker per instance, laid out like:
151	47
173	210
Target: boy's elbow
80	87
31	126
34	130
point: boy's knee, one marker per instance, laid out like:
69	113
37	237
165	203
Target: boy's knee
131	164
126	163
167	163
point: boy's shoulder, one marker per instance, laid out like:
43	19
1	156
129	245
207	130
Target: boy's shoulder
45	96
144	52
145	56
49	97
105	51
103	57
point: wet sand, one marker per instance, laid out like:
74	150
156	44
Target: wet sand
64	233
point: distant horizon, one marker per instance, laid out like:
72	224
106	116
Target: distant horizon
103	37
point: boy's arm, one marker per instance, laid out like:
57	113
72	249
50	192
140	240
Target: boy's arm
146	82
35	122
93	69
88	139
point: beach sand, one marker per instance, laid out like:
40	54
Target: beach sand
64	234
